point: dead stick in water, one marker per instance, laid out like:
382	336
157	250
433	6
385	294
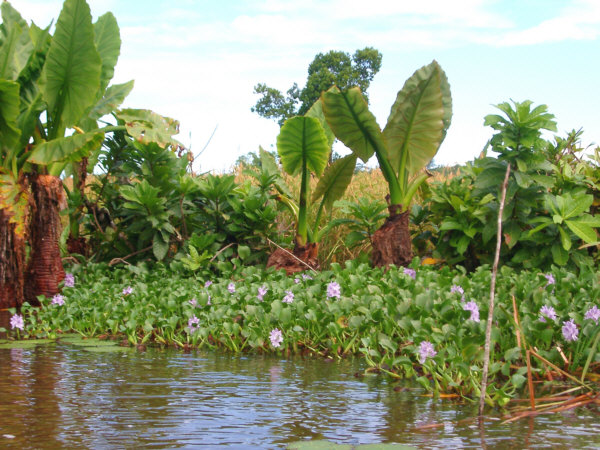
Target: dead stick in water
488	330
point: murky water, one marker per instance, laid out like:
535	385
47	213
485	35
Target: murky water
60	396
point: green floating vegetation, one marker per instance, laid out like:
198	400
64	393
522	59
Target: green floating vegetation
30	343
418	322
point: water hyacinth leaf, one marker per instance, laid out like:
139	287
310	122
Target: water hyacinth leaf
335	180
71	74
419	119
302	143
146	126
348	116
66	149
108	44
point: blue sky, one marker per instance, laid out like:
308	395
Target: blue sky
198	61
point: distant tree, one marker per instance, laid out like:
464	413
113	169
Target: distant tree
324	71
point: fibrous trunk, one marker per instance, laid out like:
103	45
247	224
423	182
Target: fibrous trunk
304	257
45	270
392	243
12	263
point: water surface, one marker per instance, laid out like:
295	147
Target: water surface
60	396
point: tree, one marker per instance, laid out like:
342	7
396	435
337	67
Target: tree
326	70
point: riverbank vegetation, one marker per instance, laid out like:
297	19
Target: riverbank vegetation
296	251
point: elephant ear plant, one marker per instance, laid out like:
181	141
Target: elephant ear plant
415	129
304	146
53	88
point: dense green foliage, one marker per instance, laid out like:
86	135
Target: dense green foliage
334	68
383	315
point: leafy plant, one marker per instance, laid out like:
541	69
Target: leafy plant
415	129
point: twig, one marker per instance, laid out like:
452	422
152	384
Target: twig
488	330
116	260
555	367
530	380
292	255
221	251
516	316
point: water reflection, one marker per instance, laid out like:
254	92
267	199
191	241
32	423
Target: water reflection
63	397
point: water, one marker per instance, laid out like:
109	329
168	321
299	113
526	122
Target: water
60	396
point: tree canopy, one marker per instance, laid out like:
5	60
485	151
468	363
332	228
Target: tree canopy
326	69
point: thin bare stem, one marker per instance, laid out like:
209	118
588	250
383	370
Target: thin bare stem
291	254
488	330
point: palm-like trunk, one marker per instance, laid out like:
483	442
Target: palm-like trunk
392	243
45	270
12	263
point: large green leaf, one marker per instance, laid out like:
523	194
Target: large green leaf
584	231
302	142
348	115
67	149
9	112
108	44
146	126
335	180
15	43
71	75
113	97
418	119
316	111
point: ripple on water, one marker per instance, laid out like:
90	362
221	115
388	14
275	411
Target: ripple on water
59	396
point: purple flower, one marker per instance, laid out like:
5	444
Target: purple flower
193	302
296	280
58	300
208	301
289	297
306	277
231	287
593	313
16	321
276	337
193	324
69	280
128	290
570	331
472	306
426	350
547	311
333	290
261	292
410	272
457	288
550	279
207	284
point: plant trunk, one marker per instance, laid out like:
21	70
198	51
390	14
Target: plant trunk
45	270
304	257
12	263
392	243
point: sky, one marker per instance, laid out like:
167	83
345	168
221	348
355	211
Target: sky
198	61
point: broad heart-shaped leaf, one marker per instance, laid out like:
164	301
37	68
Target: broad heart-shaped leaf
146	126
335	180
66	149
349	118
113	97
9	113
15	43
316	111
302	143
419	119
71	74
108	44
